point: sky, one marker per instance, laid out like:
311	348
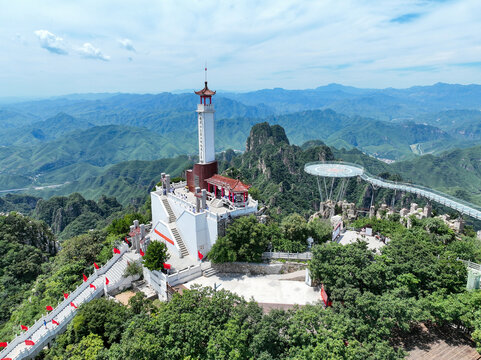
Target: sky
147	46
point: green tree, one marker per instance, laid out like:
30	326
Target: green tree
88	348
121	226
139	303
245	240
320	230
155	256
296	230
133	268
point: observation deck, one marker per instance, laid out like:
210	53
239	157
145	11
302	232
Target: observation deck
337	169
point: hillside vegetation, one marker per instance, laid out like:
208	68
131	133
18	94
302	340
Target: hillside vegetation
62	139
66	216
25	246
378	302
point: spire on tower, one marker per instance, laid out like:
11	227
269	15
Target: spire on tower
205	92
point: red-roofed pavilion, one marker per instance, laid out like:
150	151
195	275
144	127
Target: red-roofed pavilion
234	189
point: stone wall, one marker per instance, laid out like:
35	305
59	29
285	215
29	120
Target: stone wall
258	268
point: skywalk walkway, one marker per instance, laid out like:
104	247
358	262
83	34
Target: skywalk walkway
41	335
334	169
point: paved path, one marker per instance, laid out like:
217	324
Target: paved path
64	312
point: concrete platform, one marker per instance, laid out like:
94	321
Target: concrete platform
179	263
350	237
263	288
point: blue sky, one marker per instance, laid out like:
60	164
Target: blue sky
69	46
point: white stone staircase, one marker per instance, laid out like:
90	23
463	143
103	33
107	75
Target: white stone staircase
208	270
41	335
178	239
170	212
216	203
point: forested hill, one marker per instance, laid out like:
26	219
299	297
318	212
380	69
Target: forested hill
275	167
25	245
72	138
86	152
148	110
66	216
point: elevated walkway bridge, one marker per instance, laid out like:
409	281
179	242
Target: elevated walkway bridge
338	169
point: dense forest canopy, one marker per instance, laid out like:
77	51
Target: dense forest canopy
108	149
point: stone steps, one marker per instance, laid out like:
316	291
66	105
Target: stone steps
178	239
209	272
170	212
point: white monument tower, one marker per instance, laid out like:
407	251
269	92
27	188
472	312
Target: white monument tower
205	117
207	165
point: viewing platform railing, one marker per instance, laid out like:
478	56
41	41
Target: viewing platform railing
450	201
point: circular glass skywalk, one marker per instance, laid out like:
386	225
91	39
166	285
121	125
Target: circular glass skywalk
333	170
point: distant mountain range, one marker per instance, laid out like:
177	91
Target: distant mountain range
74	139
383	104
276	167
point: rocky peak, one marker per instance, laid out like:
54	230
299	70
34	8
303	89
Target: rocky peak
263	133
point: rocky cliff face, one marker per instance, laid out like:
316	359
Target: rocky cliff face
60	212
276	168
262	134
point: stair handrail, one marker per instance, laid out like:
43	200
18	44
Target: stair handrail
66	302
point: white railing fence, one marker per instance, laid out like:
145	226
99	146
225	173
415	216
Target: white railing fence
179	277
158	280
470	264
286	255
60	307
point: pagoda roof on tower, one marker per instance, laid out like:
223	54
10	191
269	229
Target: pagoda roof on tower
205	91
234	185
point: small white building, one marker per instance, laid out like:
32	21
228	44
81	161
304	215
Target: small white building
189	216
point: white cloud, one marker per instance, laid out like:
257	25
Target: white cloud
91	52
248	45
127	44
51	42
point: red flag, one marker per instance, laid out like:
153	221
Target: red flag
106	281
96	266
6	358
167	266
72	304
324	296
141	252
3	344
93	286
65	295
29	342
116	251
85	277
49	308
54	322
127	241
200	255
24	327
